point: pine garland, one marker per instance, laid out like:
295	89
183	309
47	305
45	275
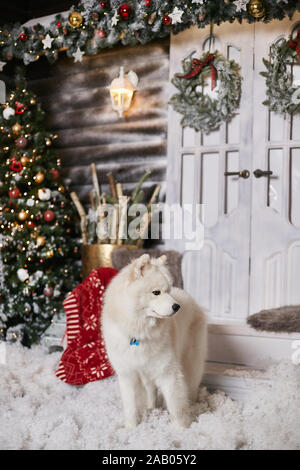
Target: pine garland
200	111
283	96
105	24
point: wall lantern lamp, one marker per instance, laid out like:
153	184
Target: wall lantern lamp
121	91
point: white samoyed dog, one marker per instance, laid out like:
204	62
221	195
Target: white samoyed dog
155	336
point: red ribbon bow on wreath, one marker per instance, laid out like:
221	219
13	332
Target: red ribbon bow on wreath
295	43
197	66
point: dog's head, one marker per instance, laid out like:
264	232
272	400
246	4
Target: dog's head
150	285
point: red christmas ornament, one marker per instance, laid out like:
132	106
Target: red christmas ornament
23	37
16	165
102	4
30	224
54	173
166	20
125	11
21	142
101	33
49	216
58	24
20	107
14	193
148	3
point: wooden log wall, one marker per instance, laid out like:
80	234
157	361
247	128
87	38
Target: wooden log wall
76	99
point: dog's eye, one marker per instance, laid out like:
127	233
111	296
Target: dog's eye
156	292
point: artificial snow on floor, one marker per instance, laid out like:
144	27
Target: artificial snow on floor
38	411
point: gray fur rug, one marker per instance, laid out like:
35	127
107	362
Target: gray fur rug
282	319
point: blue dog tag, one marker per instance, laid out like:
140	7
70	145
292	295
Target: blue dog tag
134	342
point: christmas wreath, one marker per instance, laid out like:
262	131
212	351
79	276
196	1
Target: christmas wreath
200	110
283	95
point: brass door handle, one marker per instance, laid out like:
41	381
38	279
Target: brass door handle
259	173
242	174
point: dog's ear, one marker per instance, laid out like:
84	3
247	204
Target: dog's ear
162	259
140	264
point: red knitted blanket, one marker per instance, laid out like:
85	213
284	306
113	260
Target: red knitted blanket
85	359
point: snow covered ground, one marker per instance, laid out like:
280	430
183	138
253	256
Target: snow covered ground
37	411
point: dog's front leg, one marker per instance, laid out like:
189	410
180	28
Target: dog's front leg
130	389
150	389
175	392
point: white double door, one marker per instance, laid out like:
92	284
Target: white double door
251	254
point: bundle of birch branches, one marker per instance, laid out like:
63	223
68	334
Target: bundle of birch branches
107	219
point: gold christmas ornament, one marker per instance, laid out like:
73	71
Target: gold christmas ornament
48	142
50	254
39	177
75	19
23	215
24	160
16	128
32	101
40	241
256	9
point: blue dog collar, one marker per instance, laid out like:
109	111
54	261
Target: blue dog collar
134	342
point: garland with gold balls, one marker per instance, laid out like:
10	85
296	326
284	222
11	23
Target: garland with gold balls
283	94
94	25
199	110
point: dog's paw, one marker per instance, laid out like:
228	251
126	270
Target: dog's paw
182	422
131	423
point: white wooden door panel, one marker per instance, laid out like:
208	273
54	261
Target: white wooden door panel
251	226
275	234
217	275
251	255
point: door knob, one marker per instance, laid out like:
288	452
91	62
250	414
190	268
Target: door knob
242	174
259	173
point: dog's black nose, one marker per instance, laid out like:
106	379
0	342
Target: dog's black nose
175	307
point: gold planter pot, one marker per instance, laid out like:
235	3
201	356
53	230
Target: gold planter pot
98	256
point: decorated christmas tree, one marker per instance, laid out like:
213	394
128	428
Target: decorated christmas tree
37	239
